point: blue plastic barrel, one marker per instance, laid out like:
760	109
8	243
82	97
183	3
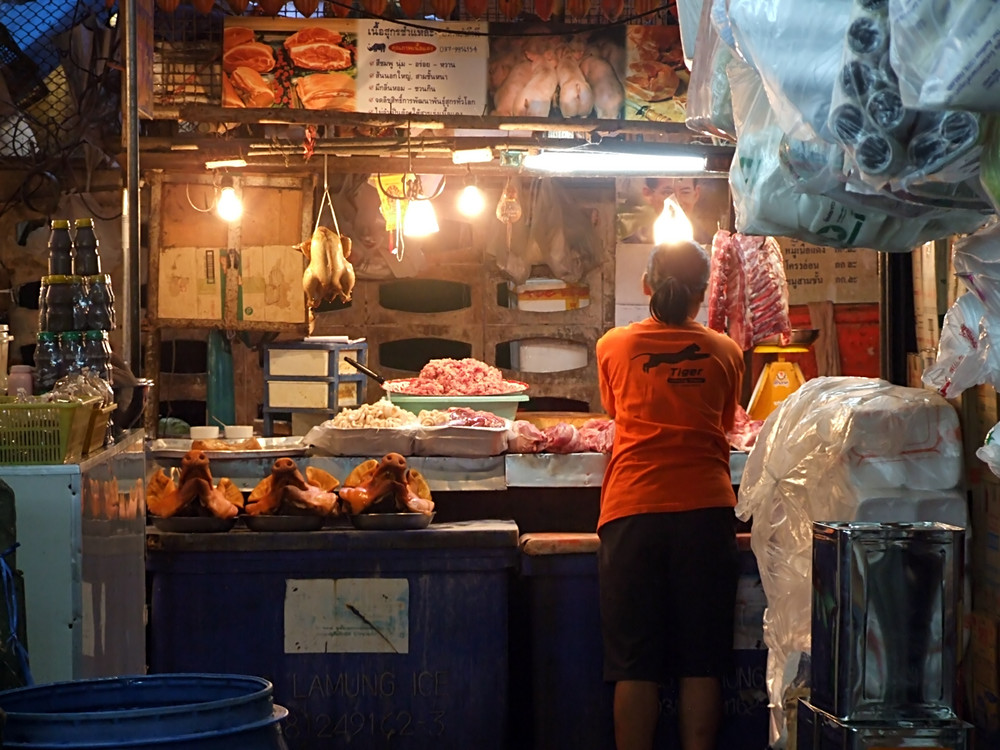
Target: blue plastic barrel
189	711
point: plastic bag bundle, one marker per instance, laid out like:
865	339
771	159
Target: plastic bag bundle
945	53
836	449
709	100
888	142
770	199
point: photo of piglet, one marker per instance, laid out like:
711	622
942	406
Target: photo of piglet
550	71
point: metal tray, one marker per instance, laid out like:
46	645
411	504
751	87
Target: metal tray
391	521
271	447
460	441
283	523
194	524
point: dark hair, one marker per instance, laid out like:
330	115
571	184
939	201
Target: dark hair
677	275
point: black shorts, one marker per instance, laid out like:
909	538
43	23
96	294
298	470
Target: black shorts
667	594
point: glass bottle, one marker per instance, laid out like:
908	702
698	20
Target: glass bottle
48	361
86	258
60	249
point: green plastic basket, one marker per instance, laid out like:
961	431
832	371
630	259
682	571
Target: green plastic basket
42	433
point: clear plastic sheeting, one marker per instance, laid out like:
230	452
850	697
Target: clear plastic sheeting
796	49
945	53
838	449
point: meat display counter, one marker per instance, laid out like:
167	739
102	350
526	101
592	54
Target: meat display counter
443	473
541	492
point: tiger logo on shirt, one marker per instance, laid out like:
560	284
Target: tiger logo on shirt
690	353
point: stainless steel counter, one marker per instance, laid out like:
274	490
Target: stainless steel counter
82	533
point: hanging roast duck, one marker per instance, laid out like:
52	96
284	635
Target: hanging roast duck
329	274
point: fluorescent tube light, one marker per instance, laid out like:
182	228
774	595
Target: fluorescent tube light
472	156
571	162
224	163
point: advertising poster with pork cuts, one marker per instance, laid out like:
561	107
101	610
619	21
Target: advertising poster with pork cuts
568	71
355	65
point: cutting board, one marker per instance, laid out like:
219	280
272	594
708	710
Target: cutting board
543	419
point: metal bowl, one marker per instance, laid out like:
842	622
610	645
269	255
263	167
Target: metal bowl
799	337
391	521
283	523
194	524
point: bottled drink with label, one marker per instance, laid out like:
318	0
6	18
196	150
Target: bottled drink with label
60	249
48	361
86	258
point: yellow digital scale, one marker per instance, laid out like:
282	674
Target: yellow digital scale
780	378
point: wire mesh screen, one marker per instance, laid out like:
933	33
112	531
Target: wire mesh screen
187	65
61	79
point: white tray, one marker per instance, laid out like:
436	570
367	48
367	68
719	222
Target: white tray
360	441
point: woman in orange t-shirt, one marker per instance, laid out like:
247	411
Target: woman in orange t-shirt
668	564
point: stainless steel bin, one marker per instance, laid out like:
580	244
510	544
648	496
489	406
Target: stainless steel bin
818	730
884	619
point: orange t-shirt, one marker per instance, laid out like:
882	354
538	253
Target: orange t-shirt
672	391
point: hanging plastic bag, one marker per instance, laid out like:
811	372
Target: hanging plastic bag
945	53
564	233
769	200
510	241
977	264
989	451
795	46
960	360
709	99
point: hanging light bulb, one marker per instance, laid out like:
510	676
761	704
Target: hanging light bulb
471	200
420	219
229	205
672	225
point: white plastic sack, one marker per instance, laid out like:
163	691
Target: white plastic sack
804	468
967	355
977	265
945	53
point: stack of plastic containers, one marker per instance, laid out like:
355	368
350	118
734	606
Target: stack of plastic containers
76	308
885	625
